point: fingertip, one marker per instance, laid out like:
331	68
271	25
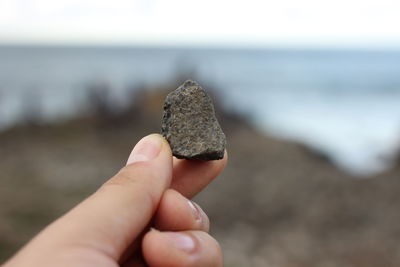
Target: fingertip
177	213
148	148
189	248
191	176
225	156
165	145
221	164
157	250
168	249
151	157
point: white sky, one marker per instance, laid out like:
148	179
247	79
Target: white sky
235	22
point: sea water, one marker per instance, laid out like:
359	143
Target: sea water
343	103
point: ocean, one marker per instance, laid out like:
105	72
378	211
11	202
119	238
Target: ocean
343	103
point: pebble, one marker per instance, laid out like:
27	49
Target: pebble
190	126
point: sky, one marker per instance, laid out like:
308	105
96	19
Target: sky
367	23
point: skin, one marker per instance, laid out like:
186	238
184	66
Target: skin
140	217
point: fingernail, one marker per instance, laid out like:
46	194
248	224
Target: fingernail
195	211
181	241
146	149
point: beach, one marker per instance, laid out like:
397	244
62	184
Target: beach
277	203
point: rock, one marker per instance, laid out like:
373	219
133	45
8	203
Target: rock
190	126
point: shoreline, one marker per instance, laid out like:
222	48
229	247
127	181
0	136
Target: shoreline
273	196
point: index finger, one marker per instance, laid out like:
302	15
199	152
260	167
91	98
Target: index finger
191	176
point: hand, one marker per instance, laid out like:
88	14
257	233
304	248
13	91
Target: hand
112	226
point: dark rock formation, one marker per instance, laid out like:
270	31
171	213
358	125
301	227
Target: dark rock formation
190	126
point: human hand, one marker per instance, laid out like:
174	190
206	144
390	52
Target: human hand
112	226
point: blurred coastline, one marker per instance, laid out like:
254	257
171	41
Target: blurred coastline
276	204
340	103
280	202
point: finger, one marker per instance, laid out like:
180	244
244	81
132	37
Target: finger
177	213
109	220
191	176
189	248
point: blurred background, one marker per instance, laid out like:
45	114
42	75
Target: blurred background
307	92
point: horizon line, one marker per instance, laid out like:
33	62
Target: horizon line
203	45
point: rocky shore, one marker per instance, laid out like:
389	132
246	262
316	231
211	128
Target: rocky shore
276	204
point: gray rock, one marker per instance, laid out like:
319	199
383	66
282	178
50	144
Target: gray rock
190	126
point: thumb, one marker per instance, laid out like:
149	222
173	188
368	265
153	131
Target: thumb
111	219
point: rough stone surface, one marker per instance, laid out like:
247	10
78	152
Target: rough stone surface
190	126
